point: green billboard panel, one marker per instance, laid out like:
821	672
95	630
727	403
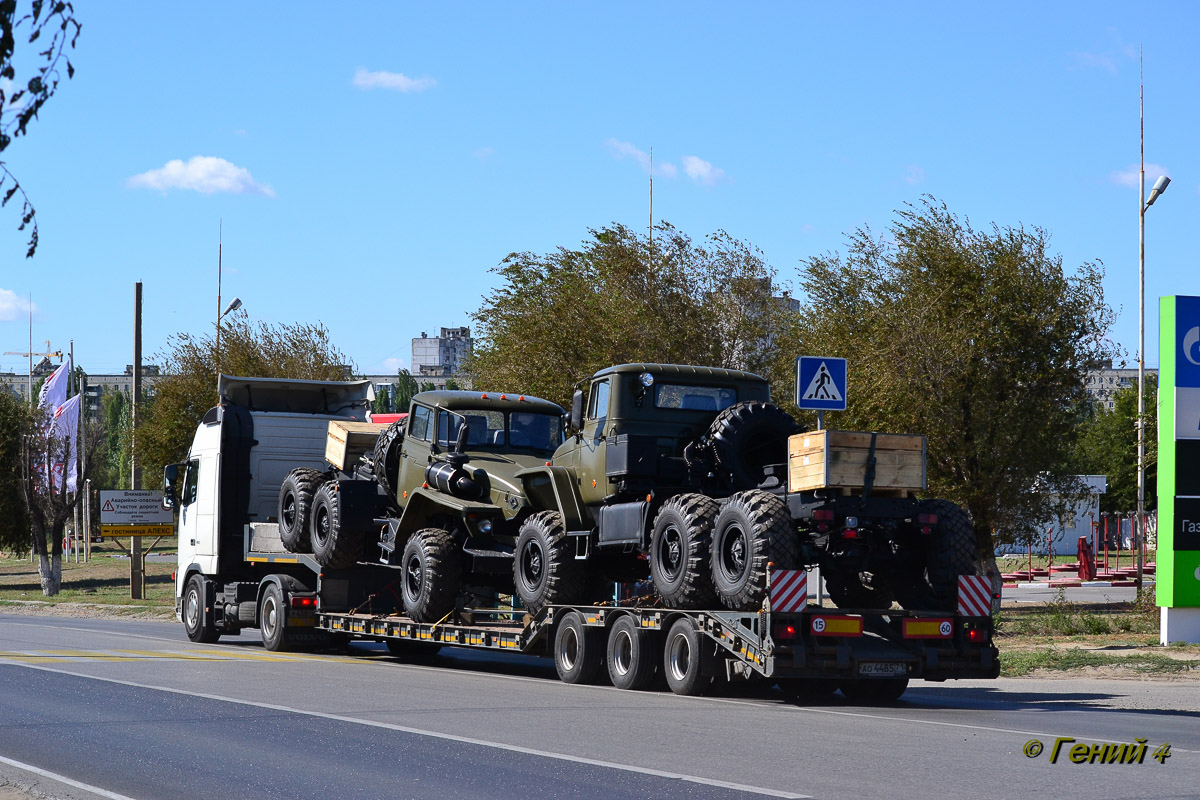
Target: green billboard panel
1178	560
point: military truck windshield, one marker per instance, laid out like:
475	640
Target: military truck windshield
694	398
519	429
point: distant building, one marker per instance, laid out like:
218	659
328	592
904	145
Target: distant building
1105	381
439	359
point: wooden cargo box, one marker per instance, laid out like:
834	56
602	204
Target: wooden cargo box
347	440
831	459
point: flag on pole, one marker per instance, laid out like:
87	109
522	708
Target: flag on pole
54	390
64	430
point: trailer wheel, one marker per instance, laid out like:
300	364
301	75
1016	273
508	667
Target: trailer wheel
295	505
679	551
752	530
874	690
631	655
332	544
272	619
432	575
195	621
748	436
687	662
544	567
949	551
578	650
402	648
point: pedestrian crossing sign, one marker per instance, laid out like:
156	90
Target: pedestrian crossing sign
821	383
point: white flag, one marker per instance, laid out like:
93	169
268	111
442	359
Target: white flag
54	390
64	429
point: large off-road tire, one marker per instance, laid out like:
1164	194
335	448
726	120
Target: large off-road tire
385	460
874	690
679	551
847	590
295	507
333	545
687	659
544	567
195	621
632	656
578	649
752	530
432	575
949	551
746	437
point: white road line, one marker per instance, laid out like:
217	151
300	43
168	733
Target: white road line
739	787
45	773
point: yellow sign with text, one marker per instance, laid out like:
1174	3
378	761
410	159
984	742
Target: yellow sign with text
118	531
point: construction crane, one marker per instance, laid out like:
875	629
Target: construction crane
29	354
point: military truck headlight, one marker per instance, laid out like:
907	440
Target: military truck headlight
485	526
646	379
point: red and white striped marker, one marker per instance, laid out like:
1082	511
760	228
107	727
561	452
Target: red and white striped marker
789	590
974	596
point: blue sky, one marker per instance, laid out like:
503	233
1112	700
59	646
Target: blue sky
372	163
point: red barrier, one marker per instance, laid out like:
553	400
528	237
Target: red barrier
1087	560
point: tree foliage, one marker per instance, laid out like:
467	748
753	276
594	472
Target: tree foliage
187	387
976	338
406	387
1108	446
557	318
14	517
19	105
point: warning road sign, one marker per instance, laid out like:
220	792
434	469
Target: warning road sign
821	383
134	508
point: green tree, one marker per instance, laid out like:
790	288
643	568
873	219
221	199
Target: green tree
187	388
14	516
453	385
557	318
20	103
1108	446
976	338
406	387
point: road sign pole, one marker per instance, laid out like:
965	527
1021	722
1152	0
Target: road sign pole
820	420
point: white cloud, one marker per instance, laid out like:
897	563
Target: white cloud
702	172
392	365
484	153
13	306
204	174
395	81
1129	176
1084	60
914	175
621	150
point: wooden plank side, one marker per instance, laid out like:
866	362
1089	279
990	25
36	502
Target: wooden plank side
346	440
838	459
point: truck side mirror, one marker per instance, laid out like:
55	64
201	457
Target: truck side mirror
460	444
170	478
576	420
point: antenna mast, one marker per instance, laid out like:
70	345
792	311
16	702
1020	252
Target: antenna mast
652	201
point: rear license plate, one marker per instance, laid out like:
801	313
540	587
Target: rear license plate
883	668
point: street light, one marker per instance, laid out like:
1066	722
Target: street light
234	305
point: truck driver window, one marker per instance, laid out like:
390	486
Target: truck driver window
598	402
190	481
419	427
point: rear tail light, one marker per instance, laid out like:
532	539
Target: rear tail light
823	515
785	632
976	636
850	533
303	602
927	521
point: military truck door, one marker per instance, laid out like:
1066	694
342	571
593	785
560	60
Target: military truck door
414	453
593	482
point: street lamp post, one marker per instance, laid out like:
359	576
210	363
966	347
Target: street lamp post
234	305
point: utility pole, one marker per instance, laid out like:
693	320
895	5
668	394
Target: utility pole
651	202
135	545
217	350
72	380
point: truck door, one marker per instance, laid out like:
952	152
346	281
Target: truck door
591	447
197	514
414	453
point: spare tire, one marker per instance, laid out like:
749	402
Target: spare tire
949	552
745	438
385	460
295	504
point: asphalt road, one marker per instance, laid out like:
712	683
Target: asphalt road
135	710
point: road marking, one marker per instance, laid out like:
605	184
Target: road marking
45	773
738	787
76	656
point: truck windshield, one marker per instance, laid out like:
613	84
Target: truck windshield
694	398
519	429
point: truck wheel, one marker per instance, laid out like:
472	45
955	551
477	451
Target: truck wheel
432	575
544	567
295	504
752	530
195	621
631	655
748	436
679	551
686	659
272	619
578	650
874	690
333	546
385	460
949	552
402	648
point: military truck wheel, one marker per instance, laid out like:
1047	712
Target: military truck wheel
679	551
544	567
332	544
752	530
874	690
748	436
631	654
432	575
949	552
195	621
295	506
385	460
578	650
687	662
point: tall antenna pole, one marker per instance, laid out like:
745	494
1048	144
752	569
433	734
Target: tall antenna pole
651	202
217	352
1141	388
31	400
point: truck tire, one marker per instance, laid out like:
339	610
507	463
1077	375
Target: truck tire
544	567
332	544
295	506
385	460
272	619
195	621
578	650
631	655
680	547
949	552
746	437
874	690
752	530
432	575
687	660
